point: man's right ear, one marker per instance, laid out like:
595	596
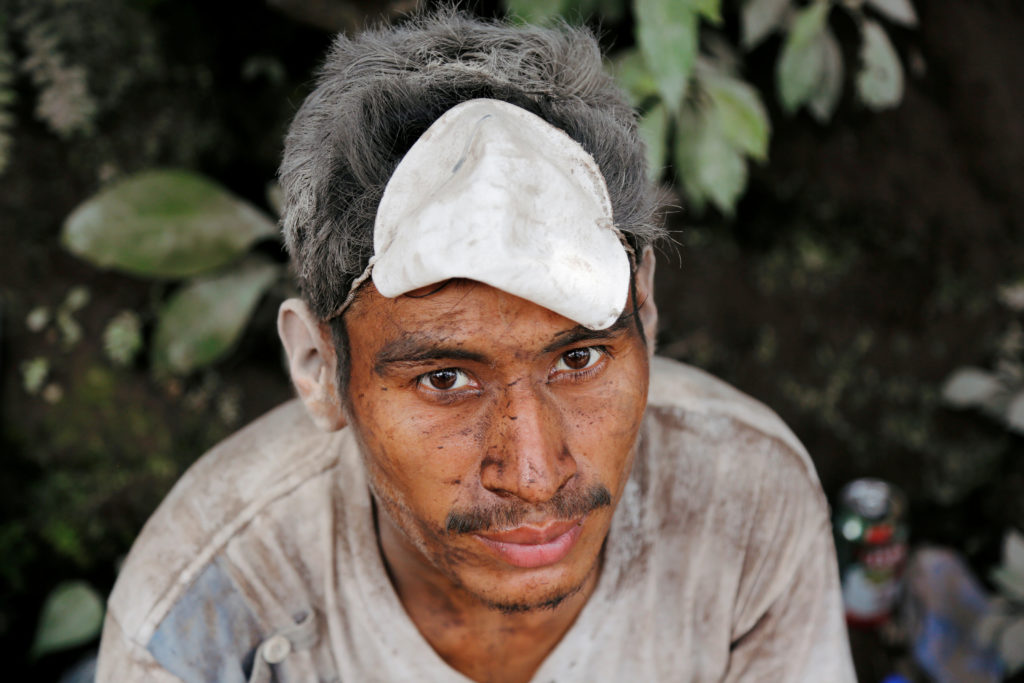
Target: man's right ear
312	362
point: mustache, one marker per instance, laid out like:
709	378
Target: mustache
564	505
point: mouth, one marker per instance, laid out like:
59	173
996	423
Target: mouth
529	547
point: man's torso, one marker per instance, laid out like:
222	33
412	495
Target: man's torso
264	560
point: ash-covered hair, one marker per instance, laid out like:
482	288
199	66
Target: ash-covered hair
379	91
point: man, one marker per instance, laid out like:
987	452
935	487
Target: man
489	476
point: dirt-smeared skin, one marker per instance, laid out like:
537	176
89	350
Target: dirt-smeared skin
525	440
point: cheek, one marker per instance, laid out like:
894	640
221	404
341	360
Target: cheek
425	460
605	426
418	477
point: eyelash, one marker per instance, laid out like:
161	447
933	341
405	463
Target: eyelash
423	379
570	374
584	373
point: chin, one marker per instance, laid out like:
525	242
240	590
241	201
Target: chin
547	603
517	590
520	591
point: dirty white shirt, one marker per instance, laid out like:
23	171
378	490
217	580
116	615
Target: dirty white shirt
262	563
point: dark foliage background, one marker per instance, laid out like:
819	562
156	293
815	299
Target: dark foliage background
862	267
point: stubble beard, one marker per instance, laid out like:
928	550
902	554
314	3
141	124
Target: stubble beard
403	520
549	603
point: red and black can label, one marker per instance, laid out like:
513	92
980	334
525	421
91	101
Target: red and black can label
871	543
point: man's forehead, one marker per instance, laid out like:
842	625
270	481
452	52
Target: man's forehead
455	307
462	319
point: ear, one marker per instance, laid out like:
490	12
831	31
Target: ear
645	297
312	362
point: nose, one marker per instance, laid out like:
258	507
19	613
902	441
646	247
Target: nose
527	454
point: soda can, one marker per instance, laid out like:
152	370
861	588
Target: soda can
870	526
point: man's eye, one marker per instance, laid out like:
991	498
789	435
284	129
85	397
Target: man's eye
579	359
444	380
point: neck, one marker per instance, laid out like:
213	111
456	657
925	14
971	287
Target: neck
475	638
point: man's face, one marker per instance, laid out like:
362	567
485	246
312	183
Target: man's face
497	435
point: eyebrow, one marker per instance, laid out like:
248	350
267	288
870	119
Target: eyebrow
414	348
581	333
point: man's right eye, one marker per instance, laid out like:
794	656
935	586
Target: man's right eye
448	379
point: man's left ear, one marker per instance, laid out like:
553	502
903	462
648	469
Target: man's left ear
645	297
312	362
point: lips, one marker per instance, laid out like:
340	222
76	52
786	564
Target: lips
530	546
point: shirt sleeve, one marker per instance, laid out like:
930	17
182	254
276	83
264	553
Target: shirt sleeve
788	621
125	661
802	635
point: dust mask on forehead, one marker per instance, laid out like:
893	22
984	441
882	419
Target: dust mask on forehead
493	193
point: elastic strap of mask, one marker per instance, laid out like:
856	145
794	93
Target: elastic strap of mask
356	284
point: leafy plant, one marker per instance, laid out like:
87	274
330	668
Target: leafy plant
65	101
684	76
72	615
1003	629
34	373
122	338
37	372
998	393
79	56
177	225
202	320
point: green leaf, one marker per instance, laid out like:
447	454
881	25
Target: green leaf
535	11
1013	550
800	68
823	102
709	9
122	338
34	373
633	76
72	615
759	19
711	169
971	387
1010	295
1015	413
808	22
880	80
164	224
740	115
1011	646
37	319
77	299
898	11
667	34
1009	581
70	329
201	322
654	132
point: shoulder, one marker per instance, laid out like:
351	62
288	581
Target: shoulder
720	462
738	525
720	412
281	455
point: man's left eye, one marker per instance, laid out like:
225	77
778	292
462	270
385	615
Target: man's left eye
448	379
579	359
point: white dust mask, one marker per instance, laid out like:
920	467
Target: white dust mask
493	193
